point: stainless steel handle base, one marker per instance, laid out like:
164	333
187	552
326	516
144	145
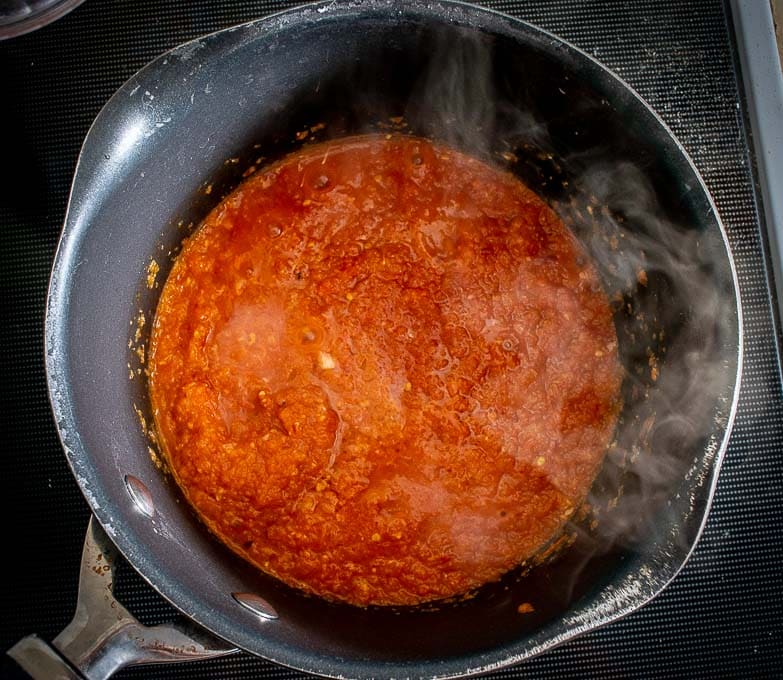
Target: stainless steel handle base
103	636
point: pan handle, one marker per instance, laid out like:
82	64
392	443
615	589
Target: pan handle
104	636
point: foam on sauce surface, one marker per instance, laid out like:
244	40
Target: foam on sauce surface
384	371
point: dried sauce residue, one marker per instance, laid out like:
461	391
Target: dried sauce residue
152	274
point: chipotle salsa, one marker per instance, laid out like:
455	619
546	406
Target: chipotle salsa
384	371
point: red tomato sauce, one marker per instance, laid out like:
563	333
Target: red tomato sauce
384	371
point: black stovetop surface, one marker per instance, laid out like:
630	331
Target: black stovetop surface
721	617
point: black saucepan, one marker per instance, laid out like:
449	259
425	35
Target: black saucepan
181	132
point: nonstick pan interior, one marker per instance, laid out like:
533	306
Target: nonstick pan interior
181	133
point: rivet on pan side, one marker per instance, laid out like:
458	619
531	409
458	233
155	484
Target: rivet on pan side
258	605
140	495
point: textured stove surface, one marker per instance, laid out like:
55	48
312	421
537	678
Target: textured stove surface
721	617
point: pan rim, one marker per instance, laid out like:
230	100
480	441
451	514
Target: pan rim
57	379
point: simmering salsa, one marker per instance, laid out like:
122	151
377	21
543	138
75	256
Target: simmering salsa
384	371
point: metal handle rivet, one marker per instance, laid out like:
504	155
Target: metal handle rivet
258	605
140	495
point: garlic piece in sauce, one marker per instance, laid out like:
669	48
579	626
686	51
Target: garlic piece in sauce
326	361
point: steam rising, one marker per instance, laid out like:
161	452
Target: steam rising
674	313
